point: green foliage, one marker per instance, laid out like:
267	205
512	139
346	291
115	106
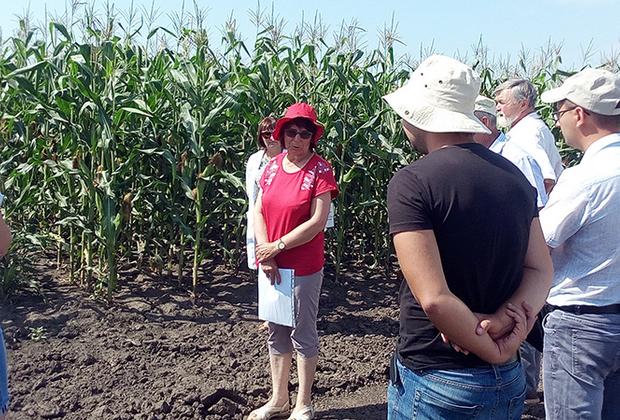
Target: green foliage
133	146
16	268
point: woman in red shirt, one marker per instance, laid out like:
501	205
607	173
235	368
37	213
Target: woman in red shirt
291	210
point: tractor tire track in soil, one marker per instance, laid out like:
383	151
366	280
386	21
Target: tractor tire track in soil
154	354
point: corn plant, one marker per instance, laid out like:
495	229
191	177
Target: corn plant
124	144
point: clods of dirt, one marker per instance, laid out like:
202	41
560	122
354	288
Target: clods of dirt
155	353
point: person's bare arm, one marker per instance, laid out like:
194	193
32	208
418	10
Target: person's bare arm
549	184
260	229
303	233
269	266
420	262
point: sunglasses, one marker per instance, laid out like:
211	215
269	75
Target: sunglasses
266	134
304	135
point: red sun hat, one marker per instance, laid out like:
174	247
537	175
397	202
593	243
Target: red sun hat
300	110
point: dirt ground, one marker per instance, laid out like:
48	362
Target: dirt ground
154	354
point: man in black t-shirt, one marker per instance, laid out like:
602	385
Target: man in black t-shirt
465	227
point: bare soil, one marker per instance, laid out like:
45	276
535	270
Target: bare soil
154	353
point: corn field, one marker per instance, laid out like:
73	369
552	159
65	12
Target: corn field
125	144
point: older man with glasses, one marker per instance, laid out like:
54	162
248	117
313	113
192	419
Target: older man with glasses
581	358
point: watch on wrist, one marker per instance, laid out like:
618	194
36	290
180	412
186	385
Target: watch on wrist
281	245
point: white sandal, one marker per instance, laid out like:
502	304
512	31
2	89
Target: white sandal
267	412
306	413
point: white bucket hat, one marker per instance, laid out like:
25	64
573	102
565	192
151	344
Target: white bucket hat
596	90
485	104
439	97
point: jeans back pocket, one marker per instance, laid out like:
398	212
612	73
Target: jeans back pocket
429	406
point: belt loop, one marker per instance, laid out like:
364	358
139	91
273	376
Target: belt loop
498	375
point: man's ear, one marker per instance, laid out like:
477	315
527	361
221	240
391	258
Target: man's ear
580	114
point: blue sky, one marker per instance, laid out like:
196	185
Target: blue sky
448	26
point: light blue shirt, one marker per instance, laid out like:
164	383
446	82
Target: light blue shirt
526	164
4	386
581	223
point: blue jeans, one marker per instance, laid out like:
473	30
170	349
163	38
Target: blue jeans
581	366
4	385
494	392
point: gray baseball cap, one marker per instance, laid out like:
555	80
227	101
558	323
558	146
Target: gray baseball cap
596	90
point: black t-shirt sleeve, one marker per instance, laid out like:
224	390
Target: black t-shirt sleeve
408	208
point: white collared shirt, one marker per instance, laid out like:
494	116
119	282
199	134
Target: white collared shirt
253	171
533	135
526	164
581	223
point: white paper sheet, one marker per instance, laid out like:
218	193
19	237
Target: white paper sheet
276	302
330	216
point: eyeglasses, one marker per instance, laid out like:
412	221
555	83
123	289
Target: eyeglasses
292	133
558	114
266	134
